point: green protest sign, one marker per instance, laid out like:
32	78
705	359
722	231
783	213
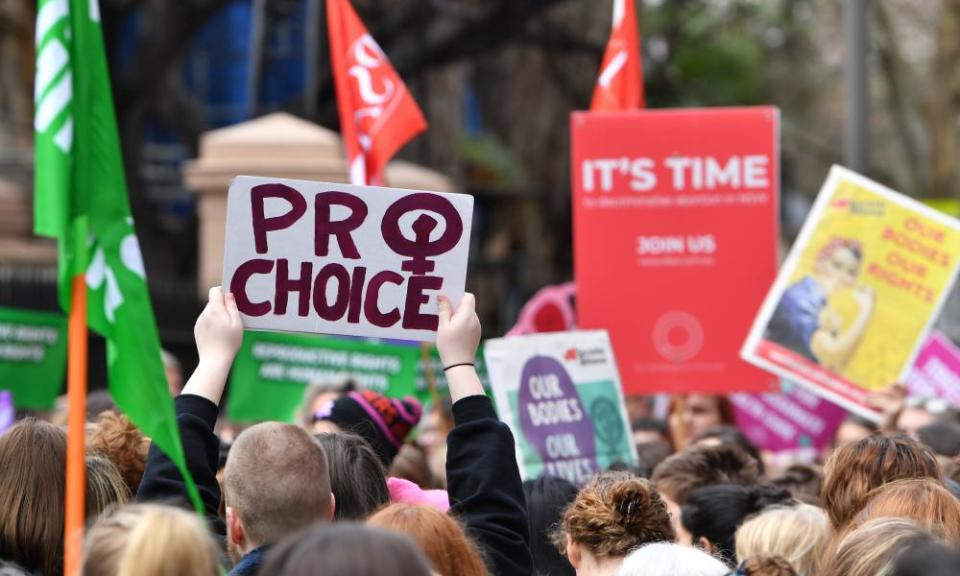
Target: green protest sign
423	387
33	356
272	370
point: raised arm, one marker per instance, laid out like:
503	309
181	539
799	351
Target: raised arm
483	480
218	333
834	351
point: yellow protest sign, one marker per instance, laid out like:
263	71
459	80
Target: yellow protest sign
858	292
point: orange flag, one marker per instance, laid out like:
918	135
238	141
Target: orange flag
620	84
377	113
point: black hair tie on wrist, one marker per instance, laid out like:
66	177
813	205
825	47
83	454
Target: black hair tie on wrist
445	368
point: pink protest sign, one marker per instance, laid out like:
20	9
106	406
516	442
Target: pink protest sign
550	310
791	420
936	371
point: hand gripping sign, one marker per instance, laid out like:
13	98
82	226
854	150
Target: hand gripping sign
338	259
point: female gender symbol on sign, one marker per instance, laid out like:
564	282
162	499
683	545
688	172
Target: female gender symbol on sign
421	248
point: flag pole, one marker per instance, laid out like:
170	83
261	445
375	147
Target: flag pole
76	424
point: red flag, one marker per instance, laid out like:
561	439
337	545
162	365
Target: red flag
377	113
620	84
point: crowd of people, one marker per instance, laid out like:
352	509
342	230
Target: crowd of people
375	486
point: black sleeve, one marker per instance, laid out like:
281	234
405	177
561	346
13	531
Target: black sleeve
196	417
484	485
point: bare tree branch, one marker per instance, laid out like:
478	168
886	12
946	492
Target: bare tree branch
901	108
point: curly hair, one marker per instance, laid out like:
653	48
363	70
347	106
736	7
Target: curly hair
117	439
615	513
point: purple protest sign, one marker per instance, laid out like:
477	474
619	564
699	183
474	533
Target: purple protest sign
7	412
554	420
794	419
936	371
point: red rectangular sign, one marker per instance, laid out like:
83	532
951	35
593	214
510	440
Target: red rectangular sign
675	240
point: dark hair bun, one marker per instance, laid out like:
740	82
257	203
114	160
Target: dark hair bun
632	502
763	495
640	510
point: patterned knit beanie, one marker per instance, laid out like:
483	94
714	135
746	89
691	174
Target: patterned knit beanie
381	421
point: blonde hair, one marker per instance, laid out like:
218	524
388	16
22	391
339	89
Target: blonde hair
105	486
872	549
799	534
149	540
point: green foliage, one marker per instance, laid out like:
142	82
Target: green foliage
716	53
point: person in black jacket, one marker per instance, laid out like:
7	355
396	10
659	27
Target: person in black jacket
218	334
483	480
276	478
484	484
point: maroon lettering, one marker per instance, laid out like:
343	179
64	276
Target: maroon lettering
262	224
238	286
356	294
341	229
413	319
284	285
421	248
335	311
370	308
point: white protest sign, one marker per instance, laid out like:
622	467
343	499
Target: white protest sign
306	256
560	393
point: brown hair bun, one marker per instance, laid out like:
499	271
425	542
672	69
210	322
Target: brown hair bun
615	513
635	504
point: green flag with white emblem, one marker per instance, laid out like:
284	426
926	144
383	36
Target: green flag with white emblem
81	200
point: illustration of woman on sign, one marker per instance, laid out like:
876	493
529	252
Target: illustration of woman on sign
804	321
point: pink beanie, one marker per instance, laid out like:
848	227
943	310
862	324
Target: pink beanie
407	492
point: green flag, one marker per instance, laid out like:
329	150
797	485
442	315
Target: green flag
81	200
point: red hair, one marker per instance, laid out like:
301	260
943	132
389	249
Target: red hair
440	537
